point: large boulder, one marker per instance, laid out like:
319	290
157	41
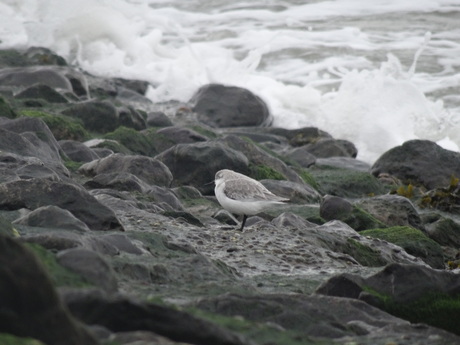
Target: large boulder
31	137
196	164
35	193
413	292
229	106
149	170
419	162
30	304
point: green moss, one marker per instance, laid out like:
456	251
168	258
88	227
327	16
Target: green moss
9	339
62	127
60	276
72	165
413	241
435	309
135	141
114	145
263	172
307	178
363	254
6	228
348	183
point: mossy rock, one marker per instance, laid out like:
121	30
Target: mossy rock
360	220
114	146
263	172
6	228
365	255
347	183
412	241
133	140
59	275
6	110
9	339
434	309
62	127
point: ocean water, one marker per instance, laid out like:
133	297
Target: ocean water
377	72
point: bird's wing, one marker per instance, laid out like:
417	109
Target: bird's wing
249	190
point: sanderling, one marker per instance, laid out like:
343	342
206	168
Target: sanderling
243	195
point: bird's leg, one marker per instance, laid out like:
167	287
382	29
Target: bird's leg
243	222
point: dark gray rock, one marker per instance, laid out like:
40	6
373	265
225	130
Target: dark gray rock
158	119
29	76
202	161
52	217
300	155
121	242
35	193
122	314
162	195
131	118
343	163
151	171
119	181
325	318
392	210
259	157
295	192
444	231
97	116
77	151
91	266
419	162
328	147
55	241
31	137
300	136
334	207
30	304
44	92
229	106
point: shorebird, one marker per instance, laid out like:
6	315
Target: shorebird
242	195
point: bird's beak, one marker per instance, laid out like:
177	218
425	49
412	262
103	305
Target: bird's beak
209	182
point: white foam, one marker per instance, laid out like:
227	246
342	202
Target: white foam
320	63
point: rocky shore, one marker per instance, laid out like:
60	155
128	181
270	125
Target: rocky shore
110	232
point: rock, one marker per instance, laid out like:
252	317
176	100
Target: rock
6	110
97	116
29	76
417	293
419	162
444	231
77	151
91	266
158	119
176	135
52	217
413	241
328	147
149	170
202	160
324	318
35	193
44	92
121	242
392	210
347	183
343	163
229	106
260	160
300	155
30	305
14	167
334	207
300	136
55	241
20	136
131	118
295	192
122	314
162	195
119	181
